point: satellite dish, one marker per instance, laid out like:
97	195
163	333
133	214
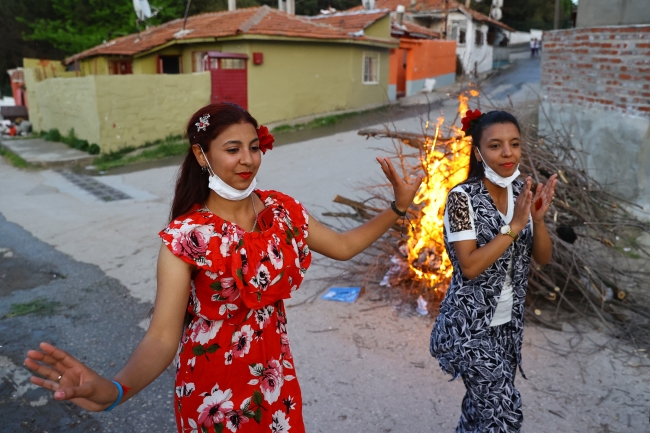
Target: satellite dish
496	14
142	9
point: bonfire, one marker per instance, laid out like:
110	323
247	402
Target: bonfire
596	264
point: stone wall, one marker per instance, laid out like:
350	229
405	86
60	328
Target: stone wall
595	86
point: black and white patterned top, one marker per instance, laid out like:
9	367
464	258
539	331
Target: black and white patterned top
469	305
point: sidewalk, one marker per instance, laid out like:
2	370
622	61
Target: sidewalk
49	154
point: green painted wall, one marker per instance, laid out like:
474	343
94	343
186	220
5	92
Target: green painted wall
379	29
94	66
145	65
304	78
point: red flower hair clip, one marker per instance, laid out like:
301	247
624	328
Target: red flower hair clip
470	119
266	139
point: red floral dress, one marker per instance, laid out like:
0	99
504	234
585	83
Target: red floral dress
234	366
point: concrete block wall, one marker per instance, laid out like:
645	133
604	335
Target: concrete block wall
601	67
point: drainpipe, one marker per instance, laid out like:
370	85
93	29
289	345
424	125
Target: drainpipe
232	5
400	14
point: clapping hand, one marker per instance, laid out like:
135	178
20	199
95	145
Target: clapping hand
70	379
543	199
404	191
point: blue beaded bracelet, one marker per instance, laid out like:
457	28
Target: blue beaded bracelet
120	393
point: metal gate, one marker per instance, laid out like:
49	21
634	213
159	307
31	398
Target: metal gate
228	72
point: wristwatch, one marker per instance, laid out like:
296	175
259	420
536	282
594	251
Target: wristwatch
505	230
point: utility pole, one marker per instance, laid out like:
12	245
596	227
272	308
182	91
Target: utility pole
556	16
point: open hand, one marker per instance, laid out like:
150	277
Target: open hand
404	191
522	207
543	199
70	379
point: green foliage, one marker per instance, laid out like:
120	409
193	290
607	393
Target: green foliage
71	140
76	25
94	149
39	306
172	145
12	158
524	15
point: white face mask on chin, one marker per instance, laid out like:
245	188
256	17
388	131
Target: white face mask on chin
223	189
493	177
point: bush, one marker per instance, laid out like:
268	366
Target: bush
93	149
52	135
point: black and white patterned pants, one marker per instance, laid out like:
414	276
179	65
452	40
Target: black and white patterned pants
491	403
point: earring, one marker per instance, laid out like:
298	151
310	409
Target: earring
204	170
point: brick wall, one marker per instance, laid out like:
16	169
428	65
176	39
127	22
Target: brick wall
600	67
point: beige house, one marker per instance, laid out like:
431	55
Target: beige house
281	67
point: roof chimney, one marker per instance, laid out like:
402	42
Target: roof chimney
232	5
368	4
291	7
400	13
413	3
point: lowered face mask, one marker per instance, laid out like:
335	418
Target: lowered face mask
226	191
493	177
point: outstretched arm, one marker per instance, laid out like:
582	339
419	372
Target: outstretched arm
89	390
344	246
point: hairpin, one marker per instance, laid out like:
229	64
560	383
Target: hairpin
203	123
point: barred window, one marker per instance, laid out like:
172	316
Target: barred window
370	68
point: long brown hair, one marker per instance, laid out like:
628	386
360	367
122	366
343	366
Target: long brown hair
192	182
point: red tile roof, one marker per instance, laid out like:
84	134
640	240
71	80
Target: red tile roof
424	6
359	19
352	21
413	30
252	21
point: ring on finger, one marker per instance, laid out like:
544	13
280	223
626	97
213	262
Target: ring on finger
59	378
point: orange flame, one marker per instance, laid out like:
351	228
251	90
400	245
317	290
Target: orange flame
445	162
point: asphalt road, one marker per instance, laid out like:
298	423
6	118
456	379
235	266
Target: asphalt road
32	270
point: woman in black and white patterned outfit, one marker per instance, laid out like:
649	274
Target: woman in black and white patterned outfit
493	225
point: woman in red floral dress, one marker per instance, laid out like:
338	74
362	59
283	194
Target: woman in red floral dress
230	256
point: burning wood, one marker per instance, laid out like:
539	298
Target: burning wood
591	273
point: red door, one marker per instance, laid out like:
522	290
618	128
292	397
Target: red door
229	80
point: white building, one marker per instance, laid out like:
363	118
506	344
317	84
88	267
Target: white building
475	33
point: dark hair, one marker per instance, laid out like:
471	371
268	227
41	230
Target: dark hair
192	183
476	171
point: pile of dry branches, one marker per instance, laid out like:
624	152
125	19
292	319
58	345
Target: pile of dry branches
598	272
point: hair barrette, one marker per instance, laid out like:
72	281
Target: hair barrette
203	123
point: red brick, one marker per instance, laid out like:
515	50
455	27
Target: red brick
625	77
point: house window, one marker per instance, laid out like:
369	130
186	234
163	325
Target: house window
458	32
478	38
120	67
233	64
169	64
370	68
